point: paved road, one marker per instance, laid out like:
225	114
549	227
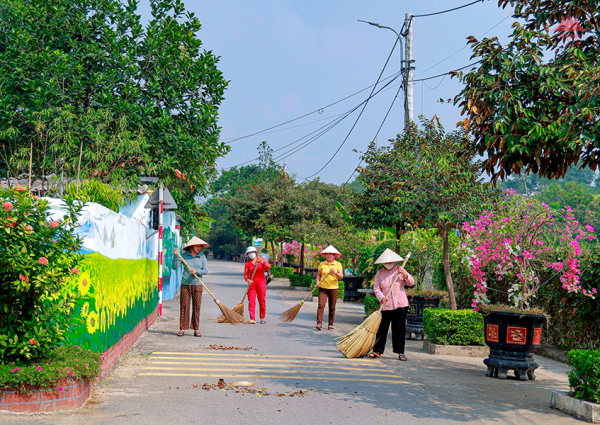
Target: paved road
161	380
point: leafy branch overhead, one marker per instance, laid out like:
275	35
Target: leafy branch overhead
532	105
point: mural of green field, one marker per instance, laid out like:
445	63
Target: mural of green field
115	295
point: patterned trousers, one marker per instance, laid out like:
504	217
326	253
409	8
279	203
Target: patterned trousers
193	292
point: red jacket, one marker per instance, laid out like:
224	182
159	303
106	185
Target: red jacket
259	276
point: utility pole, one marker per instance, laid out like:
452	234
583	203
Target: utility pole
408	81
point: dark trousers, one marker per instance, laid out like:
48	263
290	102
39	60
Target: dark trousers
330	295
193	292
398	319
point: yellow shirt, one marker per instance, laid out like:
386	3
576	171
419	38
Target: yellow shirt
329	281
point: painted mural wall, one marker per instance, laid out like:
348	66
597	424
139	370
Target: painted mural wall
118	280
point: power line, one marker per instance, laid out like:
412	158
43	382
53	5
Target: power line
295	126
449	10
463	48
357	118
378	130
320	110
327	127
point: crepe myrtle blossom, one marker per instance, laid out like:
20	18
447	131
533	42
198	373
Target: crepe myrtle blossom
54	223
7	206
519	242
43	261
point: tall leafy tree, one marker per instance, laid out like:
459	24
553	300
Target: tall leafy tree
108	97
424	179
533	104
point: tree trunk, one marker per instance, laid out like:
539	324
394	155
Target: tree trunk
398	238
302	259
447	270
273	251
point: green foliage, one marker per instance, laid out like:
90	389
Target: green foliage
92	89
453	327
371	305
38	257
300	280
575	320
532	105
61	363
96	191
282	272
584	376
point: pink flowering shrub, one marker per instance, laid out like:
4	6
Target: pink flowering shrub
292	251
36	260
518	246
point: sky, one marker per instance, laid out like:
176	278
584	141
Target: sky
285	59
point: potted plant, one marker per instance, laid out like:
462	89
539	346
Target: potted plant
419	299
512	251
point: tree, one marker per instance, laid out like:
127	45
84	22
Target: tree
90	90
532	105
424	179
224	236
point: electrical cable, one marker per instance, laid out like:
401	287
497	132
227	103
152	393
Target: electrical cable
463	48
295	126
378	130
312	139
449	10
359	115
310	113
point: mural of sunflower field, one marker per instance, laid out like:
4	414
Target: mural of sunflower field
114	296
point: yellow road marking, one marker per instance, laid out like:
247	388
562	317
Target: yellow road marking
200	369
377	369
264	356
296	378
369	364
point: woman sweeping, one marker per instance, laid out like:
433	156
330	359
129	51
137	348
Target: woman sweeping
257	284
190	287
394	306
329	273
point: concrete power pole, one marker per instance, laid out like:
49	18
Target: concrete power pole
408	87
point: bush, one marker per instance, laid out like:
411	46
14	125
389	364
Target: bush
301	280
584	377
282	272
62	363
453	327
38	255
96	191
371	305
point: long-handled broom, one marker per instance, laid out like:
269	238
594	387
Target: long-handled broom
290	314
230	315
360	341
239	307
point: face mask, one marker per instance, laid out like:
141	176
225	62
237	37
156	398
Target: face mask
252	255
389	266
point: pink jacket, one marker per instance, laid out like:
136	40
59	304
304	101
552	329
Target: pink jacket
383	281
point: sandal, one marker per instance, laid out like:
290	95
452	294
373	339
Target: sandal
181	333
402	357
197	333
263	321
330	327
253	322
374	355
318	327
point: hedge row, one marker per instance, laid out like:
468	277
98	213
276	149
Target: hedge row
282	272
453	327
584	377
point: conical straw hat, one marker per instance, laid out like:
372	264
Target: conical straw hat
196	241
331	250
389	256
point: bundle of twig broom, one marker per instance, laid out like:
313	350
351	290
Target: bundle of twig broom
229	315
360	341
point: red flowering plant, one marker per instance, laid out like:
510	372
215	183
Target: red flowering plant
37	256
517	247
